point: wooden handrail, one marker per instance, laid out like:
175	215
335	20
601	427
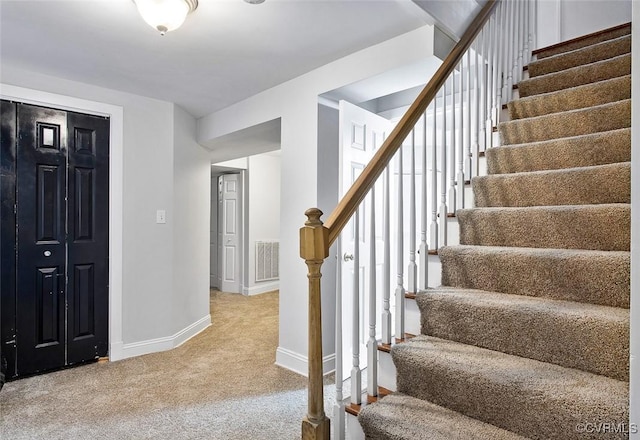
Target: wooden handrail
316	237
347	206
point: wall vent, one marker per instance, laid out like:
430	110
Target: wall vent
267	260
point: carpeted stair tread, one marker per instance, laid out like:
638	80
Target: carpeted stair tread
578	57
402	417
587	95
525	396
596	277
598	227
576	76
598	184
578	151
588	337
605	117
587	40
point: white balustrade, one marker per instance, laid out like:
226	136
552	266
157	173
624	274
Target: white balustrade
372	343
400	254
356	372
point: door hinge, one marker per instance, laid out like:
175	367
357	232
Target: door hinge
15	208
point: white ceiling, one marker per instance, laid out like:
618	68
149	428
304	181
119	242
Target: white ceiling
227	50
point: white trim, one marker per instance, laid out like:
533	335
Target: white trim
167	343
298	363
116	208
261	288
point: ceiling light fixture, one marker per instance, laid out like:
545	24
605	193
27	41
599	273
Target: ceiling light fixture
254	2
165	15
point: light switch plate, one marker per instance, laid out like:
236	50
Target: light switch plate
161	216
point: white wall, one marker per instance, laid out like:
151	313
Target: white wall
147	312
191	211
635	227
561	20
296	102
263	215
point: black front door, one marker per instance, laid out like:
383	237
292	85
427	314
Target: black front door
61	294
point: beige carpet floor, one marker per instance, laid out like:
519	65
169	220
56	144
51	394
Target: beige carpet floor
221	384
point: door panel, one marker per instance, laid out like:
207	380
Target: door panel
361	134
230	232
8	235
88	242
41	253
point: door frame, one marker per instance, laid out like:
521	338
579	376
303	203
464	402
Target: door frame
116	186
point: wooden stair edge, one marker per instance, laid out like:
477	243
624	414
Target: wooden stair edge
354	408
387	347
581	38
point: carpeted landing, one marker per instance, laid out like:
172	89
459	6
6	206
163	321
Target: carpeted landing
220	385
529	337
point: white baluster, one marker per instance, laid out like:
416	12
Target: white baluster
356	373
442	239
424	247
509	60
496	86
488	120
460	131
338	406
482	104
468	128
527	26
386	285
412	270
521	39
504	32
534	27
400	249
452	148
433	237
372	343
476	114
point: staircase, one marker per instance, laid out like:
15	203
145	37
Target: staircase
529	335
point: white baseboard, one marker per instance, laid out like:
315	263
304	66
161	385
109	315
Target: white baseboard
261	288
297	362
159	344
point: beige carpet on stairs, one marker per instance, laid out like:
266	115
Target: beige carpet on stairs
530	333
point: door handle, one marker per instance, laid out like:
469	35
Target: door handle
347	257
47	253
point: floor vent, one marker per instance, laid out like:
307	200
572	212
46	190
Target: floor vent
267	267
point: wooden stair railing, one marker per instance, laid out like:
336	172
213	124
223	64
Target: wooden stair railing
316	237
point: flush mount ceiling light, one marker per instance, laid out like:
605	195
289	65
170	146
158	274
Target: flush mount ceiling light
254	2
165	15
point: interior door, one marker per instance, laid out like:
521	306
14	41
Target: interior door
41	249
229	227
361	134
88	237
62	242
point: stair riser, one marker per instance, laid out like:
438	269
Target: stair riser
480	385
598	227
595	149
583	42
596	278
567	124
603	184
482	320
577	76
587	55
589	95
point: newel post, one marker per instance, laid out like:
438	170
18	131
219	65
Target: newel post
314	248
